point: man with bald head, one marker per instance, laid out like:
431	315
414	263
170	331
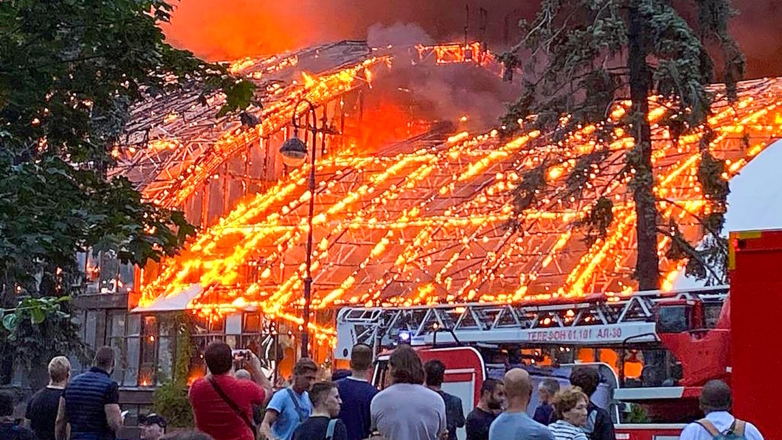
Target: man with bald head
514	423
716	400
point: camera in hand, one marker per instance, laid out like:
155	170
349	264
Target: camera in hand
240	355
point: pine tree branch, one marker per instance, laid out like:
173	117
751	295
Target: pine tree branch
693	254
698	219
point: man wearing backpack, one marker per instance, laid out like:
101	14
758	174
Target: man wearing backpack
323	424
290	406
719	424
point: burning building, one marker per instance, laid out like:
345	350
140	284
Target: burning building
412	202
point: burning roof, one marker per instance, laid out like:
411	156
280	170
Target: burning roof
424	220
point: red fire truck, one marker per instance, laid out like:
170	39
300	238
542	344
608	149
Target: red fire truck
653	350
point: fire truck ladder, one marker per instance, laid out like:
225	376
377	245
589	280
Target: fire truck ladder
594	320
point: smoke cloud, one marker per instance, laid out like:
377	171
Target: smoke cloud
232	29
398	34
758	29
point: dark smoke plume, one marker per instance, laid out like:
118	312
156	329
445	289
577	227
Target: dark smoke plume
231	29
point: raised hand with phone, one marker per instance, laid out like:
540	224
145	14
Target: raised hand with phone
253	366
222	404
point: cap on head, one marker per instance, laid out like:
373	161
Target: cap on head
152	419
715	396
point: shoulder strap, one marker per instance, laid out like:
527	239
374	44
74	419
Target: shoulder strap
296	404
738	427
233	406
709	427
330	430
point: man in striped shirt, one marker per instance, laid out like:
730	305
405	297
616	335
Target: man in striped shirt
90	403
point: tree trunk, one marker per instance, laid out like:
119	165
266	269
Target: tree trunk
646	268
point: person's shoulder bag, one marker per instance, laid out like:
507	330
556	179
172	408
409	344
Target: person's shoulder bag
299	411
234	407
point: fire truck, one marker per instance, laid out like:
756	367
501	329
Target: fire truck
653	350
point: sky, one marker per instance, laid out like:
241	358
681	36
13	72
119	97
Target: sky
231	29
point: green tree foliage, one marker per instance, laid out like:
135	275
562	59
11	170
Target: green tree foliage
170	399
582	57
69	72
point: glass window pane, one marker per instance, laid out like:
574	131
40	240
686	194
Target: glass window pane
252	323
150	325
118	324
146	376
148	350
77	317
166	325
165	360
134	325
125	283
200	324
119	354
131	372
149	344
218	325
76	367
90	328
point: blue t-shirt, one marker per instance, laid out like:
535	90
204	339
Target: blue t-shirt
288	416
356	398
518	426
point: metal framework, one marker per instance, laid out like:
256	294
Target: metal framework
426	221
175	143
596	320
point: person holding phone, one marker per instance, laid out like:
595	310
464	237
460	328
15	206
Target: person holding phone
223	405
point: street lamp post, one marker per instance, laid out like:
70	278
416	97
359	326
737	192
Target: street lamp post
294	153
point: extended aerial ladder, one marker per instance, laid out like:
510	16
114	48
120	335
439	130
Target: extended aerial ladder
596	320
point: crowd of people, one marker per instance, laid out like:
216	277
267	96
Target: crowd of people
242	405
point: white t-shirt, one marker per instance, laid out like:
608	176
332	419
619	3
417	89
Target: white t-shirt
405	411
722	420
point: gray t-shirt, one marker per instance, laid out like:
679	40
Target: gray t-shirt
408	412
518	426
